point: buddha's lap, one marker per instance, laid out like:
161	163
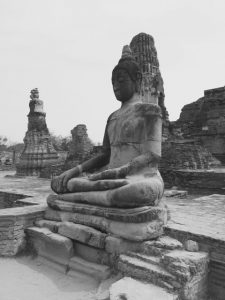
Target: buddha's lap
143	190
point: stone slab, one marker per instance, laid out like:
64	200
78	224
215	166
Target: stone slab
116	245
175	193
51	246
139	269
98	271
51	225
195	261
129	231
129	215
165	242
92	254
83	234
131	289
155	260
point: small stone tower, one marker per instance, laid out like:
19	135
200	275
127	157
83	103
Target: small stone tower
38	152
81	145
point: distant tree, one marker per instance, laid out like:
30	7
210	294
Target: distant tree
17	147
3	143
60	143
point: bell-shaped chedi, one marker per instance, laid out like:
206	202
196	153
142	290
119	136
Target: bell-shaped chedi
38	152
152	90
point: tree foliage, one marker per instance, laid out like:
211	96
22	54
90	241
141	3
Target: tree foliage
60	143
3	143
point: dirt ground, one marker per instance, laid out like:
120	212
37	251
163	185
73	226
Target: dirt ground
25	278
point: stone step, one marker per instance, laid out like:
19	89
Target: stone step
83	234
155	260
51	225
131	289
147	248
97	271
160	246
52	246
147	271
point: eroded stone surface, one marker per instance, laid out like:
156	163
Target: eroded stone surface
51	246
191	246
146	271
165	242
92	254
117	245
98	271
82	233
51	225
130	231
129	215
203	120
195	261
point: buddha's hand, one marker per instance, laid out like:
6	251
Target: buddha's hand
59	183
115	173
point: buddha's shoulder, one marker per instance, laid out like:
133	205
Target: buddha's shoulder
137	110
145	109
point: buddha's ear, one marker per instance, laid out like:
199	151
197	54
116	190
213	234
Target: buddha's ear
138	81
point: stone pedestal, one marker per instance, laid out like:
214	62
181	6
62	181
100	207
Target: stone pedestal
38	152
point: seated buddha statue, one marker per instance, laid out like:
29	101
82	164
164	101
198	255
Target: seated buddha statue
130	155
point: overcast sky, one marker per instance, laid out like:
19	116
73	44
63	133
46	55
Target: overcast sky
68	48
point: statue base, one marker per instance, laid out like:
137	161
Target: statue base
135	224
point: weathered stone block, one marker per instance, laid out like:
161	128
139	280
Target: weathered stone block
128	215
190	269
117	245
52	246
196	261
137	268
83	234
92	254
191	246
51	225
129	231
98	271
165	242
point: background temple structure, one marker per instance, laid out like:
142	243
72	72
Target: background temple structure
80	146
204	121
152	89
38	152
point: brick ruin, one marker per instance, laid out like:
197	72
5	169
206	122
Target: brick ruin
38	153
196	143
80	146
204	121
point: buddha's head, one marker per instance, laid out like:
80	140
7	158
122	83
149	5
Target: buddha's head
126	76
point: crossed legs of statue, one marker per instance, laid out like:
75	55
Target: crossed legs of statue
130	192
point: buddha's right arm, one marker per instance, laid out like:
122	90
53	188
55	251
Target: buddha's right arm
59	183
102	159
